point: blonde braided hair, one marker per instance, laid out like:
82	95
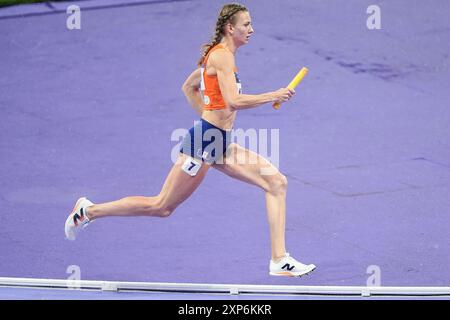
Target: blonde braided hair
227	14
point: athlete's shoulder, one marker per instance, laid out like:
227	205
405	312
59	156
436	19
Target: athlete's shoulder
222	57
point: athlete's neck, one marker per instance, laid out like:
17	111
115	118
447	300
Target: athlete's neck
229	44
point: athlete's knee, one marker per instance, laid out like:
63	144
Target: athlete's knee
165	209
278	184
156	206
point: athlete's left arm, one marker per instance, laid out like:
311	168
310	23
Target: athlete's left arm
191	89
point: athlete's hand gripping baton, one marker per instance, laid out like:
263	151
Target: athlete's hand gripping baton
299	77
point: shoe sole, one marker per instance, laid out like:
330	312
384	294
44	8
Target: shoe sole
291	274
71	214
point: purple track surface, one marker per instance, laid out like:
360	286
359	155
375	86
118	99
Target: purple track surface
364	144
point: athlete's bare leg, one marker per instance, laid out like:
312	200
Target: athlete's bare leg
248	166
177	188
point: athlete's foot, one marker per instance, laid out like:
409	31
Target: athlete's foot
78	219
289	267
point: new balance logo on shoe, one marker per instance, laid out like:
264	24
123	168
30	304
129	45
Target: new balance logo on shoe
288	267
77	217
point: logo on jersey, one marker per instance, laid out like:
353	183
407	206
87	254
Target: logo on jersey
206	100
238	83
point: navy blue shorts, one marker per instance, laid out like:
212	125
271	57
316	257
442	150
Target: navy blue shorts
206	142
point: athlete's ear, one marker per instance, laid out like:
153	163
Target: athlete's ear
230	28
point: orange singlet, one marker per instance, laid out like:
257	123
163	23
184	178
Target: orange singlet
212	97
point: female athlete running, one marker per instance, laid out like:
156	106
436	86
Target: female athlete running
214	91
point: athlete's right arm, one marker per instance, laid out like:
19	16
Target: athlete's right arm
191	89
223	62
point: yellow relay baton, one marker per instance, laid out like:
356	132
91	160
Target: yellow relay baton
299	77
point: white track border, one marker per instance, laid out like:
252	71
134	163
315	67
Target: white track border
232	289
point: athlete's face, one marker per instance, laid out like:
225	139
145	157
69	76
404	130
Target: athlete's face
242	29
